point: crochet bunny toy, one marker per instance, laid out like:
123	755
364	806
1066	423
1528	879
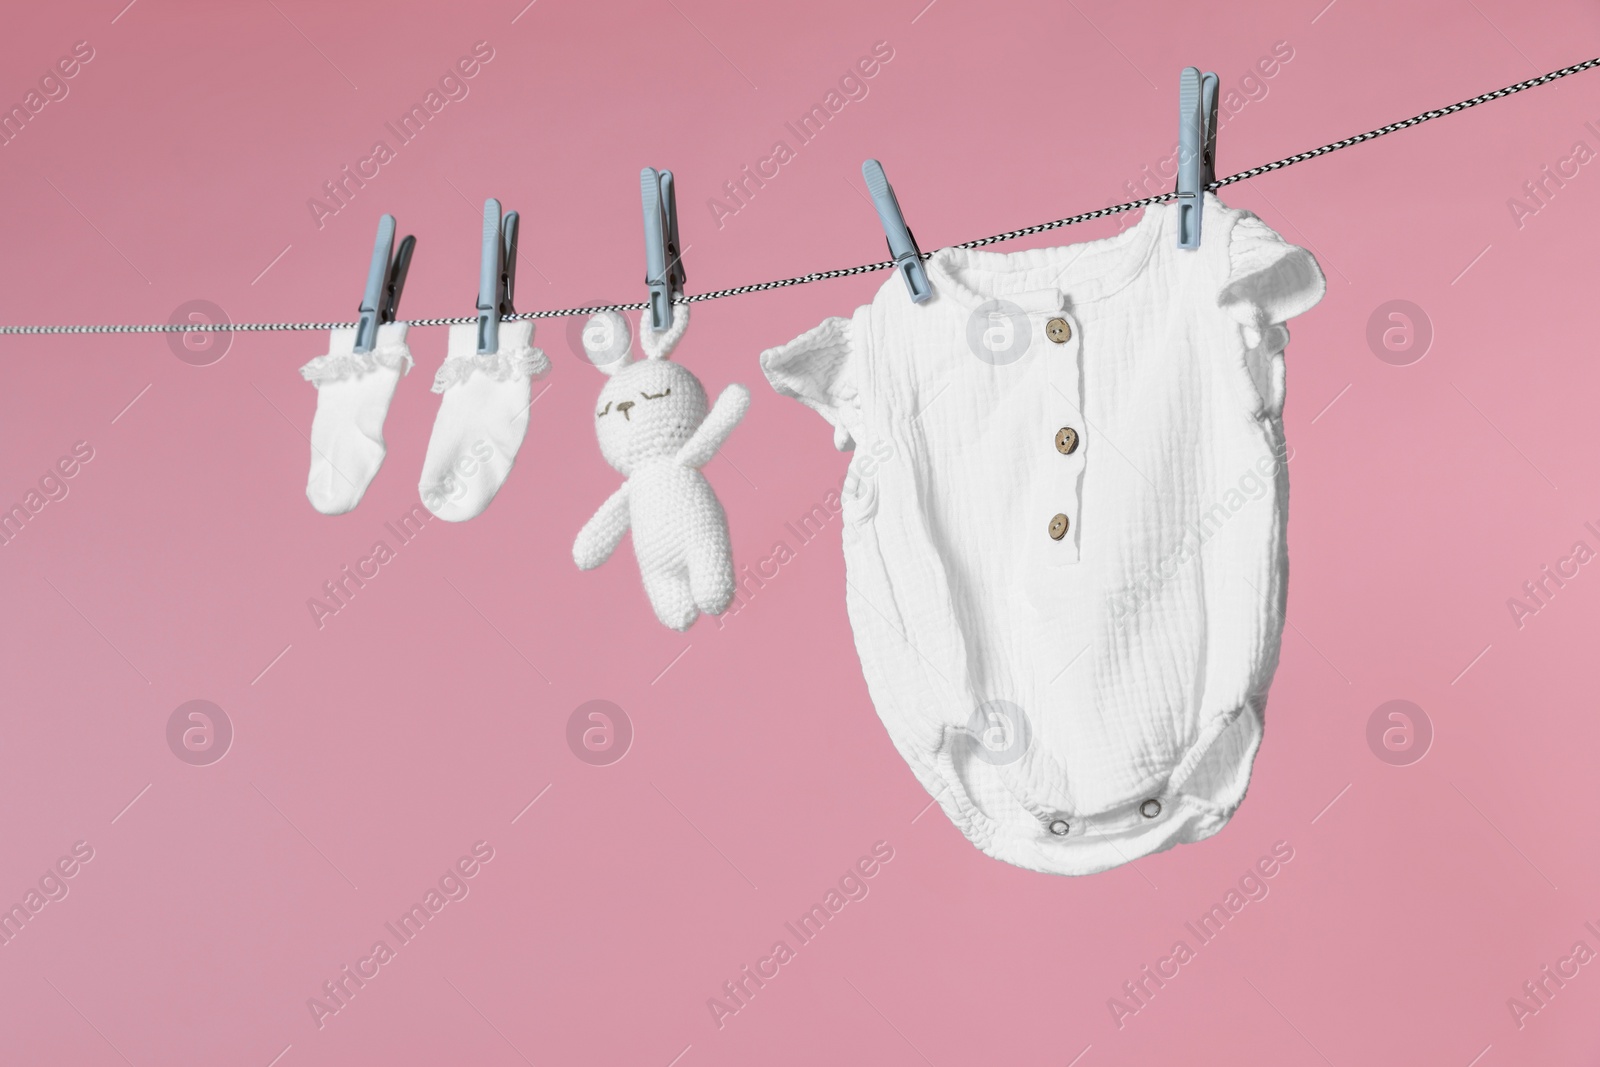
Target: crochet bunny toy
655	430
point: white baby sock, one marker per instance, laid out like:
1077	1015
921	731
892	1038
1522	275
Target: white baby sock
482	419
353	394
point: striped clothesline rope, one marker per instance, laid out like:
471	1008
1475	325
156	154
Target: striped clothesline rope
845	272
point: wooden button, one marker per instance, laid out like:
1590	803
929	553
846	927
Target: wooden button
1058	527
1066	440
1058	330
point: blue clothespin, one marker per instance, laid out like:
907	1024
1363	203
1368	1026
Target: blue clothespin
385	279
663	256
902	246
497	274
1197	150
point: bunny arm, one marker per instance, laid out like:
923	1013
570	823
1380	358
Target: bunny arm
718	424
603	532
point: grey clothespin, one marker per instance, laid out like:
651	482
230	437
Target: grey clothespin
386	277
497	274
902	245
663	256
1197	150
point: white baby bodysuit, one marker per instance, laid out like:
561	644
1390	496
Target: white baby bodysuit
1064	526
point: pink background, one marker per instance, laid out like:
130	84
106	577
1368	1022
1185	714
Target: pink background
370	754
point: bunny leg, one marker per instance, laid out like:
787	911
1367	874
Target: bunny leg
711	574
670	597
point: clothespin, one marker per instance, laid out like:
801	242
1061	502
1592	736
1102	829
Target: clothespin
497	274
1197	150
902	245
663	257
385	279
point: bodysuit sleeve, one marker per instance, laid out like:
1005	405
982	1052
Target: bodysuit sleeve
819	368
1268	282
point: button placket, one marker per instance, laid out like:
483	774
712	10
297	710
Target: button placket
1063	441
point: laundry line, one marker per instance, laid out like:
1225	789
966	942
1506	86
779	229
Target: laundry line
844	272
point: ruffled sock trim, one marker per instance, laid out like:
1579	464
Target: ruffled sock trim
337	366
517	360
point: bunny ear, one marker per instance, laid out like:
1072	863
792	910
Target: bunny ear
607	341
660	345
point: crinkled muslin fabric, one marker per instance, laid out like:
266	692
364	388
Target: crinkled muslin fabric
1064	526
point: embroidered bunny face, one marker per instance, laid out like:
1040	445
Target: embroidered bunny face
651	407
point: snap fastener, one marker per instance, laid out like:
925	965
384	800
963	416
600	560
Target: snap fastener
1058	527
1150	808
1066	440
1058	330
1060	827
